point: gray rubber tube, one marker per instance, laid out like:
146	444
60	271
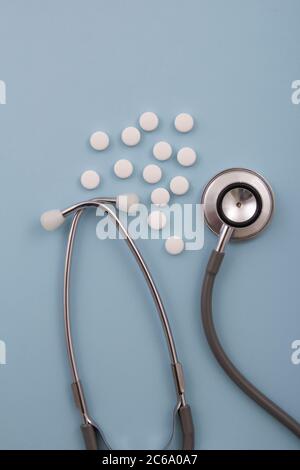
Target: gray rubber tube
212	269
90	433
187	427
90	436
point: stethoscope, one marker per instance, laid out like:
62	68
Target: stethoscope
238	204
91	431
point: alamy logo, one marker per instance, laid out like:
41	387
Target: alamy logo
2	92
296	93
2	353
295	356
185	221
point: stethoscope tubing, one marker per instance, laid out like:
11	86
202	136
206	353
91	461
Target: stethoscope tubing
235	375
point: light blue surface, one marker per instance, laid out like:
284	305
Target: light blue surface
73	67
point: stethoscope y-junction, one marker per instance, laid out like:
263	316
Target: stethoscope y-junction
238	204
90	430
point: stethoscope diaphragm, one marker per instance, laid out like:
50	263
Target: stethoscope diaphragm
239	198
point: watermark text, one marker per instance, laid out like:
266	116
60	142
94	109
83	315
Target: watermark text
185	221
2	92
295	97
2	352
295	356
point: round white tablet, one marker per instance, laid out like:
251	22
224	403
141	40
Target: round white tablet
184	122
162	150
160	196
131	136
157	220
123	168
148	121
152	174
179	185
99	140
127	202
174	245
186	156
90	179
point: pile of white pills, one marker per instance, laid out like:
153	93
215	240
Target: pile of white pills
152	173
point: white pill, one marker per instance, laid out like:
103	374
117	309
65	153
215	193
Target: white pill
179	185
162	150
127	202
99	140
131	136
152	174
174	245
90	179
186	156
123	168
184	122
160	196
157	220
149	121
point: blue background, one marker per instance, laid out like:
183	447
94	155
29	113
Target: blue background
73	67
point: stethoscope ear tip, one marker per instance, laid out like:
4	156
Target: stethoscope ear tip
51	220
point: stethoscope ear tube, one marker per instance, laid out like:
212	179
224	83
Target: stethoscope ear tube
187	427
212	269
91	432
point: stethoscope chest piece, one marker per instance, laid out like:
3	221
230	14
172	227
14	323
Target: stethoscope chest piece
239	198
238	203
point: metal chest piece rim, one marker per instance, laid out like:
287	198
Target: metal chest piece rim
240	198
